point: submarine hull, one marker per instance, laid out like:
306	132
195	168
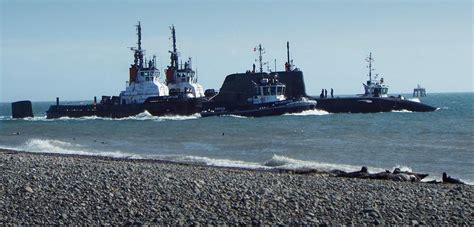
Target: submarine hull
369	105
155	106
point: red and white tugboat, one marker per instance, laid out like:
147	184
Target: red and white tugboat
179	95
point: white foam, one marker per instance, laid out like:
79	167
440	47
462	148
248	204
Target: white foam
402	168
276	162
314	112
37	118
401	111
144	116
61	147
180	117
219	162
235	116
283	162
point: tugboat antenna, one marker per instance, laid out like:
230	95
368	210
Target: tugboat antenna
275	65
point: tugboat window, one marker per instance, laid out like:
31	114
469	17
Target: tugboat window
266	90
273	90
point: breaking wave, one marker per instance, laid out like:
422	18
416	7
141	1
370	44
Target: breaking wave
219	162
275	162
283	162
61	147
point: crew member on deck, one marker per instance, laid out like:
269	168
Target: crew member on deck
332	93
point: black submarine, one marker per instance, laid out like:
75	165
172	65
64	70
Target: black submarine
258	94
179	94
375	99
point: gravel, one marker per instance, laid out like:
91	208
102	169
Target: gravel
72	189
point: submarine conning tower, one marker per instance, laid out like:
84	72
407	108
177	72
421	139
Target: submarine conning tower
239	87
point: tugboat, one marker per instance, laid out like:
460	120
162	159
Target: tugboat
181	95
375	99
260	94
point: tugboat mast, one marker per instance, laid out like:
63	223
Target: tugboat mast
174	53
289	62
260	59
288	52
139	51
370	60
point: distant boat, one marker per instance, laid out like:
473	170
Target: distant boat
419	92
375	99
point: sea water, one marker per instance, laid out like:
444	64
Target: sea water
432	142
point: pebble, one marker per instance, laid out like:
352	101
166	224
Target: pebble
28	189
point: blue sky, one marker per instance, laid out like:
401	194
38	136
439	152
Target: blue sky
79	49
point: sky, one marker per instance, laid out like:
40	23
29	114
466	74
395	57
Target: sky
79	49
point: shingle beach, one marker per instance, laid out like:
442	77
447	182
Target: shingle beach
71	189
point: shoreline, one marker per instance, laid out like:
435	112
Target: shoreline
48	188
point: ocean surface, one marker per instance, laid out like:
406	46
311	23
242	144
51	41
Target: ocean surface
434	142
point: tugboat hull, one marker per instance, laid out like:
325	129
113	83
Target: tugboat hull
370	105
265	110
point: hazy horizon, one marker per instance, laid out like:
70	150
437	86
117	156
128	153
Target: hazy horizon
76	50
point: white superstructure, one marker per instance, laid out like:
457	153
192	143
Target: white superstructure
144	82
374	87
268	90
181	78
144	79
147	84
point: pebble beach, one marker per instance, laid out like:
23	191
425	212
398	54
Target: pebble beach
72	189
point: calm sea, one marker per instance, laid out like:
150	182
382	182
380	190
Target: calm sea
435	142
